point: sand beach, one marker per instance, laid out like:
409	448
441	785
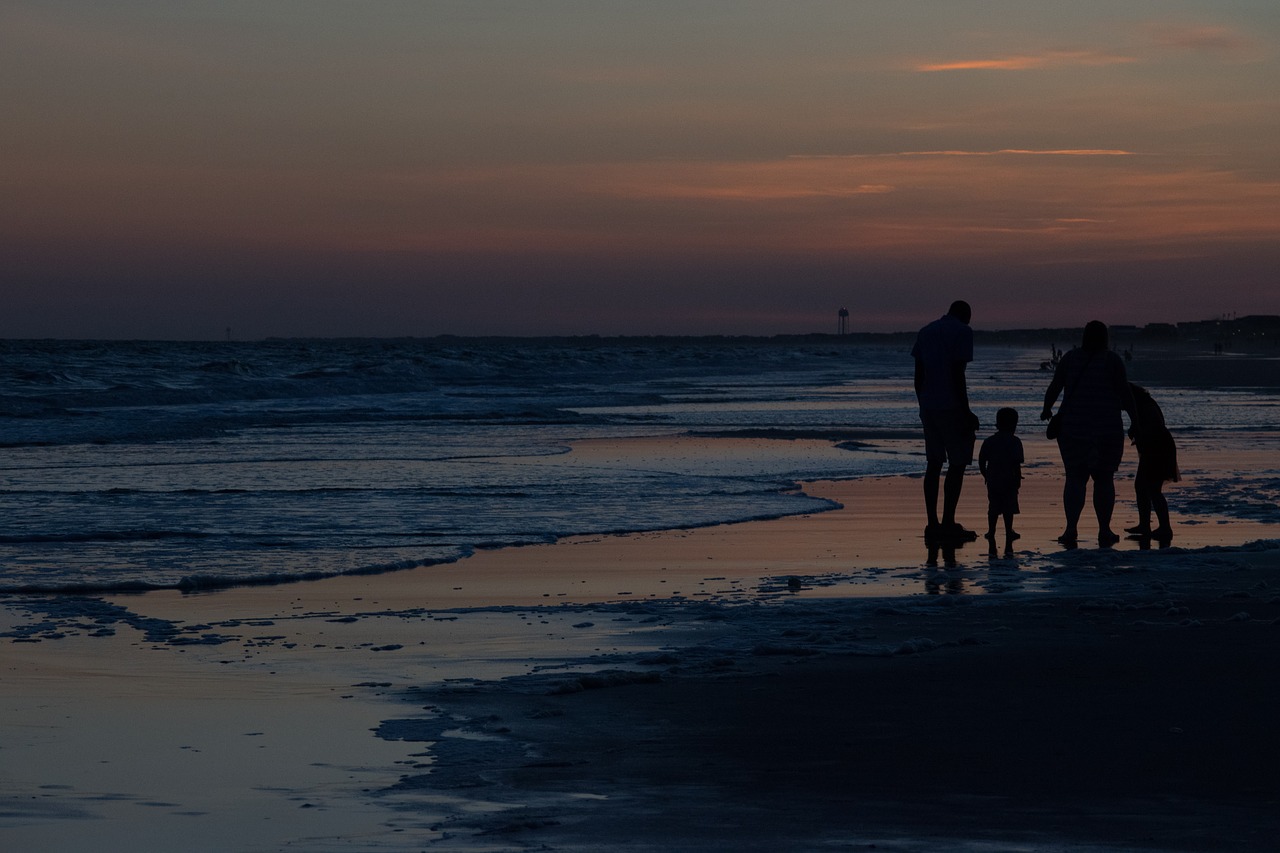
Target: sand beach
807	683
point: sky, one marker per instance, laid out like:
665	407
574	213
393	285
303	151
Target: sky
261	168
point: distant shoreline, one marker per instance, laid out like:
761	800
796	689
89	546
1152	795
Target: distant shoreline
1255	334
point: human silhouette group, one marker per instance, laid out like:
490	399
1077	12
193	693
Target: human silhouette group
1088	427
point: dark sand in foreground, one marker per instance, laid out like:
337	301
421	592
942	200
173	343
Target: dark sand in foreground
1144	718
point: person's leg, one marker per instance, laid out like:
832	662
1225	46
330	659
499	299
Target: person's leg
1164	530
992	516
1104	504
1009	532
959	444
935	454
951	487
932	476
1142	496
1073	493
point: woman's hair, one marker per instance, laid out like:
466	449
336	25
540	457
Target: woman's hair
1095	335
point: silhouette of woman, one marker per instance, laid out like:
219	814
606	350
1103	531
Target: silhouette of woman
1091	441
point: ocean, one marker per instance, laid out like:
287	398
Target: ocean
142	465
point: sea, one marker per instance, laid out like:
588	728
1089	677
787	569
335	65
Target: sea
198	465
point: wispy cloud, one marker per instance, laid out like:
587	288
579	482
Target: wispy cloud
1053	152
1201	38
1030	61
1049	152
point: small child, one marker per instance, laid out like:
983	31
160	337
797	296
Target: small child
1157	464
1000	461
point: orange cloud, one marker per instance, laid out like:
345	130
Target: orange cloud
1026	62
1052	206
1049	205
1051	152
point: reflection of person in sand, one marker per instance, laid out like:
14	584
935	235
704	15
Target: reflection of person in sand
1157	463
1000	461
944	583
942	351
1091	440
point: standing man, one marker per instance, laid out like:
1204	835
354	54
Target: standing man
942	351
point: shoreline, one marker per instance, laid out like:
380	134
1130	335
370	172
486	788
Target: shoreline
874	525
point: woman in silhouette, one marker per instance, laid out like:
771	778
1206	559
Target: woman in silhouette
1091	439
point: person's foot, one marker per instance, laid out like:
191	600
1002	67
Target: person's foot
1162	534
990	536
1106	538
1068	537
950	532
955	530
1139	530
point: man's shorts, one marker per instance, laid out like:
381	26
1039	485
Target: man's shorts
948	436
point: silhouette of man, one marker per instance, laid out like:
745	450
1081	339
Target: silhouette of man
942	351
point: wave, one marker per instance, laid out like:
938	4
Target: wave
852	437
122	392
207	582
100	536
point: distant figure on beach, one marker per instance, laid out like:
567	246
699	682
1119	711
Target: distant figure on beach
1000	461
1055	356
1157	464
1091	436
942	351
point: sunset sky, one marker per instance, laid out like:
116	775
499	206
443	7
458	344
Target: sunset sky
418	167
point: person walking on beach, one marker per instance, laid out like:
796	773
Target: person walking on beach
1000	461
1091	435
942	351
1157	464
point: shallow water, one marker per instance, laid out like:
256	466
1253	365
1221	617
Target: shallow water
141	465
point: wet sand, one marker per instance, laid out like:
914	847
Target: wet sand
1140	721
678	691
